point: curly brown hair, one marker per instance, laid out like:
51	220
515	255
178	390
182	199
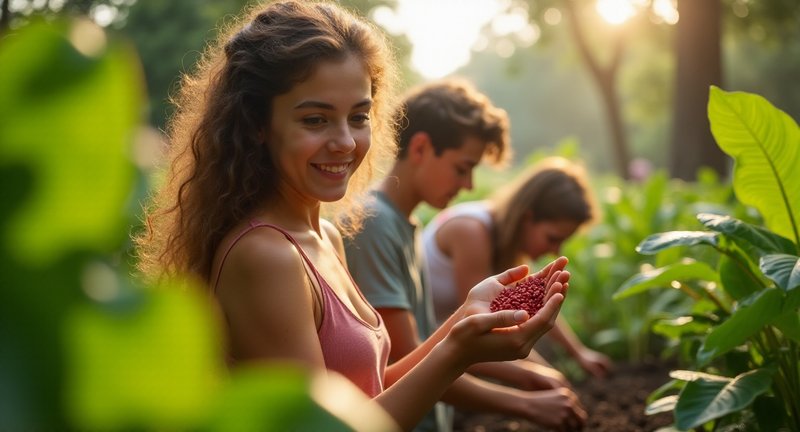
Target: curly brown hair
220	169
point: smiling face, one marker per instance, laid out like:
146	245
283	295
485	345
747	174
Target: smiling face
320	131
441	177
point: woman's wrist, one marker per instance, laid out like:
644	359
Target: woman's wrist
449	354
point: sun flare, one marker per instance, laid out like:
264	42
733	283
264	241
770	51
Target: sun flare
615	11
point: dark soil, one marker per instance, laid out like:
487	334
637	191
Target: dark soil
614	404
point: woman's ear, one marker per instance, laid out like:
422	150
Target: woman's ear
418	146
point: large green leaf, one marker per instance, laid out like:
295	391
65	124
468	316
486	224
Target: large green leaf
272	398
657	242
65	122
747	236
665	404
662	277
708	397
68	117
737	277
282	396
679	327
783	269
156	365
765	144
751	316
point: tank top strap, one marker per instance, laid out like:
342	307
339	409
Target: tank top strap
256	224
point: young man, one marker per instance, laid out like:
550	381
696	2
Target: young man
446	129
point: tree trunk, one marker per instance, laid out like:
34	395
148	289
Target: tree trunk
605	76
5	18
699	65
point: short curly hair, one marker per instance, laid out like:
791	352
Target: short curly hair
449	111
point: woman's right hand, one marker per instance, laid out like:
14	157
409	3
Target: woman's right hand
508	334
481	295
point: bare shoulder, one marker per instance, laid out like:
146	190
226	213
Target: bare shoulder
462	231
263	267
263	252
266	295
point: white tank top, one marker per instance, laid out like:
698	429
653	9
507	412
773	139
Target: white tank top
440	267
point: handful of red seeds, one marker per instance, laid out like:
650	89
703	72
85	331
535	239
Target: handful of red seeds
525	295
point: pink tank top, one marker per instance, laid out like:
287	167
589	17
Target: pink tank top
350	345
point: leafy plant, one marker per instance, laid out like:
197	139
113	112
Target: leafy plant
742	325
603	257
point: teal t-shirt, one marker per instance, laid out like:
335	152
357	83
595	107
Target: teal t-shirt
386	263
385	260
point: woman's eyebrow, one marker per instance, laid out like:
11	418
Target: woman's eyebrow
327	106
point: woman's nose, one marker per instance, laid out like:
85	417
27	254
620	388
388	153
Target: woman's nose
342	140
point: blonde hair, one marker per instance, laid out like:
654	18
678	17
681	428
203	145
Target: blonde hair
220	167
552	190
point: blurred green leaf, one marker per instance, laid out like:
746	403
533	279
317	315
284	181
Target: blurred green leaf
155	366
68	117
681	326
657	242
274	398
65	122
750	317
708	397
737	280
783	269
663	277
665	404
765	142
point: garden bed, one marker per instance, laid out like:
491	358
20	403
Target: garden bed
615	404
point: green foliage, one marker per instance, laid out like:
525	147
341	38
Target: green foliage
765	142
602	258
750	331
706	397
84	347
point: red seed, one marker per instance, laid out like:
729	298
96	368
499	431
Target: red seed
527	295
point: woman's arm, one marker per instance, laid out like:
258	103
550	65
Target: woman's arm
499	336
595	363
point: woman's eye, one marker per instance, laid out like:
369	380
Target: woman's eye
360	118
313	121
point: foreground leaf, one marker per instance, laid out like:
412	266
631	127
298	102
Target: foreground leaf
710	397
68	118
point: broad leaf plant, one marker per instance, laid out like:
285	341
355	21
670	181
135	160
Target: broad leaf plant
742	328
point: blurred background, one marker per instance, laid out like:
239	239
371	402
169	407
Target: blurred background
627	79
619	85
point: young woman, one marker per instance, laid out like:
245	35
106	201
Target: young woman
286	118
530	218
